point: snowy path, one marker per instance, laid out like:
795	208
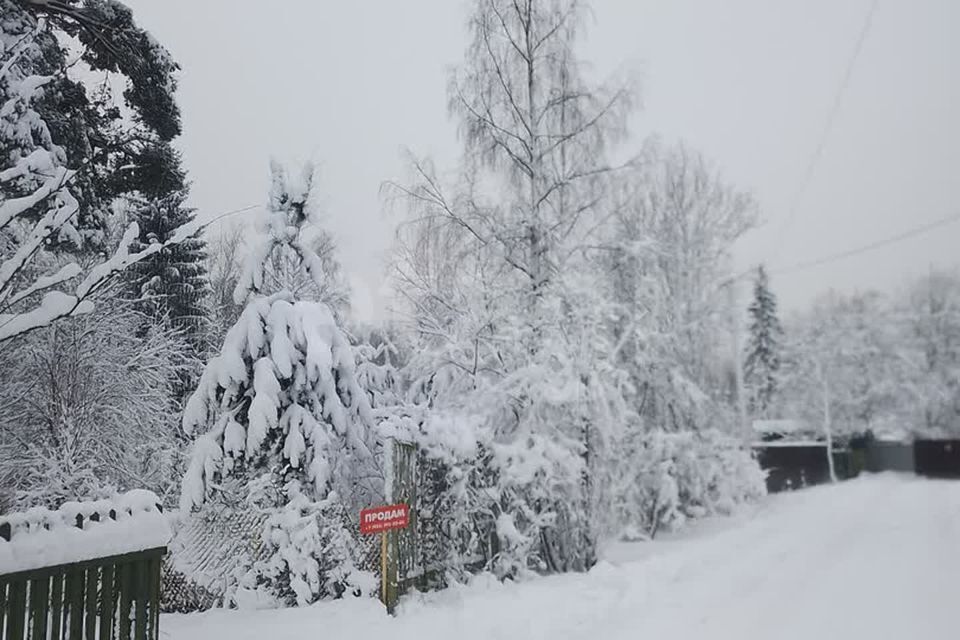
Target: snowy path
874	558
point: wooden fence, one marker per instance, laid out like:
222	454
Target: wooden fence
113	598
87	571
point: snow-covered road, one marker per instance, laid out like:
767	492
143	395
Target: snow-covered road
873	558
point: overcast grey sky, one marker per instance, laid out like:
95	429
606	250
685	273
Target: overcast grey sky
748	82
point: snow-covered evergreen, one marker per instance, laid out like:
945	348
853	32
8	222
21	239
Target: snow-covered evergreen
173	283
761	365
281	409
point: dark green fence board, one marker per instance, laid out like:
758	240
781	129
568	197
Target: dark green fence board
142	593
90	609
16	610
3	603
56	606
39	608
126	594
106	602
154	576
75	584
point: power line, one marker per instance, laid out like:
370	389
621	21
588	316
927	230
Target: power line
828	126
233	212
910	233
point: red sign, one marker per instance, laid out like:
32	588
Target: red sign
379	519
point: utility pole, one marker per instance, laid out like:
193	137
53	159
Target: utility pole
736	327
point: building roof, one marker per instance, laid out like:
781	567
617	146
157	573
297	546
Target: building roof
782	427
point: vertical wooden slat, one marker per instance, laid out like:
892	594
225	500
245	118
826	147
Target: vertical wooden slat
123	618
90	603
3	605
74	604
153	629
39	607
106	602
56	607
16	610
141	585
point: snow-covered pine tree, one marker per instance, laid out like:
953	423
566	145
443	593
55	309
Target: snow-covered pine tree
173	283
285	415
762	362
91	128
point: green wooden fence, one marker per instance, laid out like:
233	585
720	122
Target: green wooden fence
112	598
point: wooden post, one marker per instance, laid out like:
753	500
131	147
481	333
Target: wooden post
383	570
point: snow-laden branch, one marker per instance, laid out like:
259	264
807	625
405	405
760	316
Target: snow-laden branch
57	305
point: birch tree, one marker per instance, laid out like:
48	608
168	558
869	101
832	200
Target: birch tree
491	267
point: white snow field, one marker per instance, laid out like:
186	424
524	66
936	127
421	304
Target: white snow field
873	558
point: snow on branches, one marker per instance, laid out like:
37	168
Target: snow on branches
37	208
284	411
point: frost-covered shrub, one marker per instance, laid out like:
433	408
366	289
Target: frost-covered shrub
313	552
673	477
86	405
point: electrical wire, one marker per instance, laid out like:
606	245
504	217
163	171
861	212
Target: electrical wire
828	126
900	237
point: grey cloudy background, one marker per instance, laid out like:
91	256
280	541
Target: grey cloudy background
748	82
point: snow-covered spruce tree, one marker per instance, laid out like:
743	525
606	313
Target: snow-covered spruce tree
284	413
173	283
761	366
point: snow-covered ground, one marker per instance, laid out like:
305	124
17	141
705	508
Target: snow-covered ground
874	558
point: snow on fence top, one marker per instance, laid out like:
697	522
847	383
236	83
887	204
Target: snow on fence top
79	531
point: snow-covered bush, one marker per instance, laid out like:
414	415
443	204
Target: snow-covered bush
86	404
316	553
284	411
669	478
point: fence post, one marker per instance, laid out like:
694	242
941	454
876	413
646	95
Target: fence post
400	545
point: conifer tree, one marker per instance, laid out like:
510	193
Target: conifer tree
762	362
286	416
173	282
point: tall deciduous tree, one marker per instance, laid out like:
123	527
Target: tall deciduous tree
496	273
761	365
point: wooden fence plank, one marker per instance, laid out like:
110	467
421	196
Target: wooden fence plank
39	608
16	610
107	602
153	630
90	620
74	604
56	607
3	604
141	587
126	591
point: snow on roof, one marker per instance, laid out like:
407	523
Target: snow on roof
778	426
776	444
79	531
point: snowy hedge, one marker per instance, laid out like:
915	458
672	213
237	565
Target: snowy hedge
670	478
